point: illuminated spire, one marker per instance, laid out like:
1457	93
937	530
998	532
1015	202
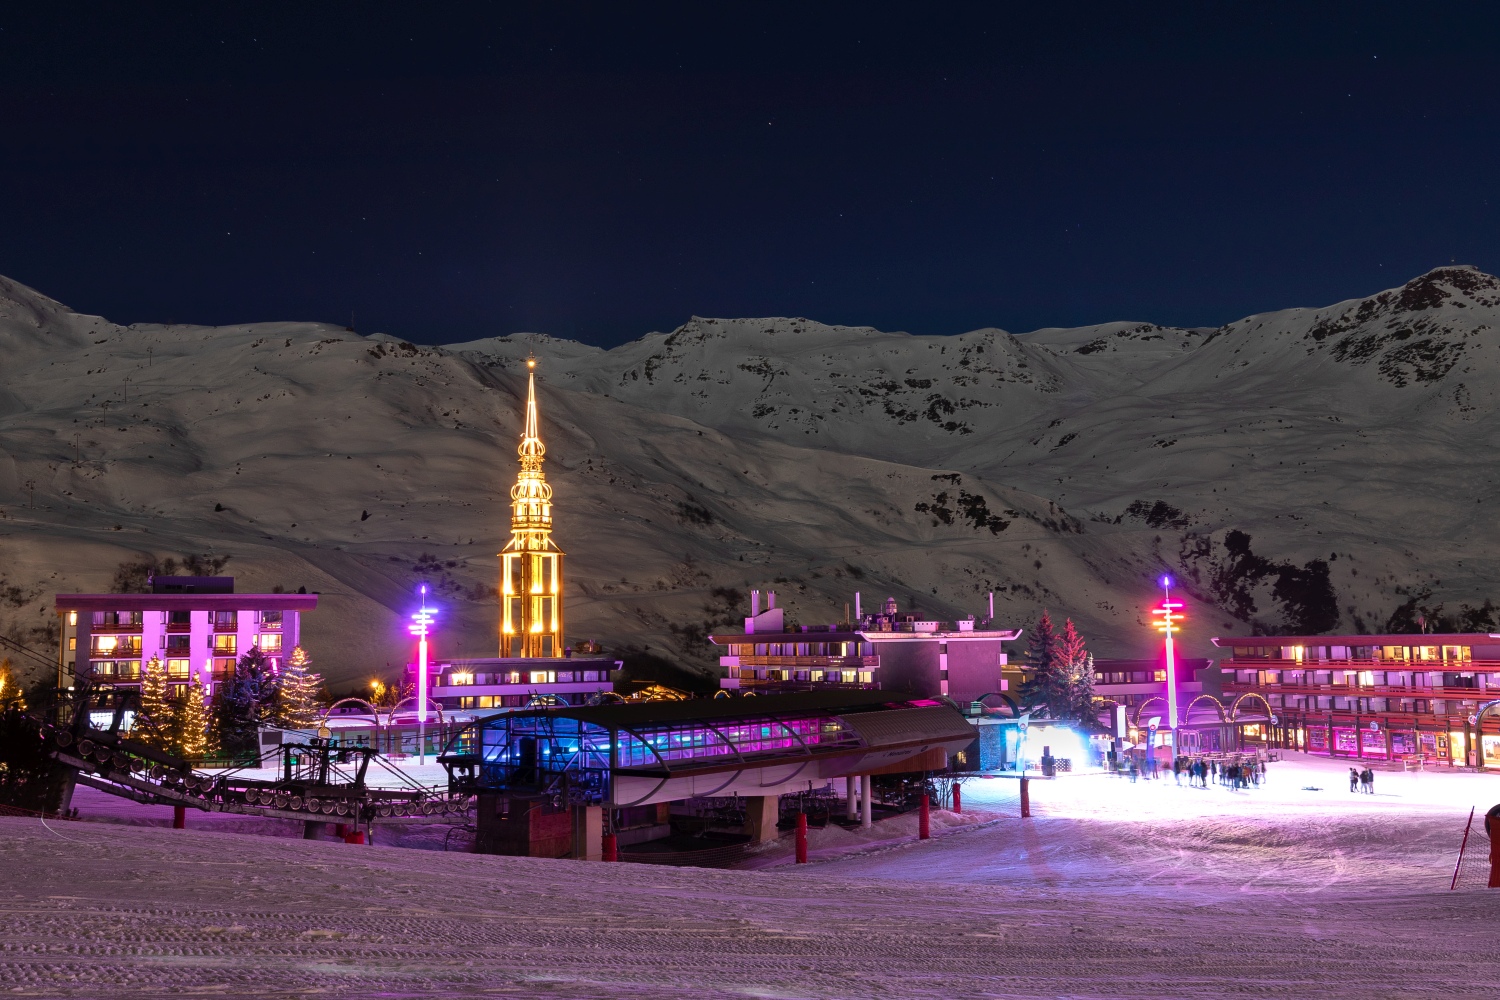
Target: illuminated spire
531	565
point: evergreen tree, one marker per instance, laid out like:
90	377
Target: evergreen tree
1048	683
1078	671
245	700
153	723
10	687
297	707
194	737
1082	692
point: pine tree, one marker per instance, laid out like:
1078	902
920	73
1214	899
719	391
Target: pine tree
1048	683
194	738
153	725
297	707
245	700
1082	692
10	688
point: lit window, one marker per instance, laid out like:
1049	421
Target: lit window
1160	675
105	643
224	645
866	676
72	642
460	678
179	668
543	677
72	618
817	675
848	676
269	643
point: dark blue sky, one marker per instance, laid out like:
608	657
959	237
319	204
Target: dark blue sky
601	171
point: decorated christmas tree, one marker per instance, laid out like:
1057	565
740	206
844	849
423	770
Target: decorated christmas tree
194	738
298	705
153	725
1078	674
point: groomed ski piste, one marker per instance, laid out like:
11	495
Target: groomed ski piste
1298	888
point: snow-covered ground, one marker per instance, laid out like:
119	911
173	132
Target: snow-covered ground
1110	890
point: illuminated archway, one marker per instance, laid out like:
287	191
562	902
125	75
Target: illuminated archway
1484	709
1218	706
369	708
1234	709
1015	710
1140	710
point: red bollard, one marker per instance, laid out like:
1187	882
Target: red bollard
1025	797
357	837
179	817
611	848
958	798
802	838
1492	830
924	820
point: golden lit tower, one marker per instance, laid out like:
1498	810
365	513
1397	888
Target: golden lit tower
531	619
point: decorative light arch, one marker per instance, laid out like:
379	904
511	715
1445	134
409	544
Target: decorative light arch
1215	702
1140	709
1234	709
1484	709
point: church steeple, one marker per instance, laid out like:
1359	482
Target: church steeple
531	618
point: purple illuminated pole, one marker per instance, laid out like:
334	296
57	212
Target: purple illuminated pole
1167	618
420	627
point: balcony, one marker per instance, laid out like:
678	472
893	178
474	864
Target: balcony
1365	691
814	662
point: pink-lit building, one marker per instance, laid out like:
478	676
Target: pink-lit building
197	626
1380	696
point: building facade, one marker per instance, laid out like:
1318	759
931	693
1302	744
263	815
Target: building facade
886	651
1380	696
197	626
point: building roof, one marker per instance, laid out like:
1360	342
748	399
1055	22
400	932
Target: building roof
186	602
1383	639
628	716
868	635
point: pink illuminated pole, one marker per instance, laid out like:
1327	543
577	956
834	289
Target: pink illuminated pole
421	626
1167	618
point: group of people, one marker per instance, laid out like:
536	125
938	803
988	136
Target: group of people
1232	773
1362	780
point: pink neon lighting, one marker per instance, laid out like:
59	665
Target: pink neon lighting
1167	618
421	627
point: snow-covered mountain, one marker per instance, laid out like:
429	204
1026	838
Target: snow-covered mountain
1353	444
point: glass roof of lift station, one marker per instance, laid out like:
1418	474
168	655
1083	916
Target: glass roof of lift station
536	748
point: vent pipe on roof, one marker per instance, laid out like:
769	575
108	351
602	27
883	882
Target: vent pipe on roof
754	603
770	600
992	605
858	616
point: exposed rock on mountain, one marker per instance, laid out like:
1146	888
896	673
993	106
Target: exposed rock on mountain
1352	447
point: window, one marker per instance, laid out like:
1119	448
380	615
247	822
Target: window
270	619
72	642
72	618
460	678
816	675
1159	675
179	644
269	643
867	676
179	669
104	644
226	619
848	676
224	644
543	676
179	618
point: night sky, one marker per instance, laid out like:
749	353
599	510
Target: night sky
447	173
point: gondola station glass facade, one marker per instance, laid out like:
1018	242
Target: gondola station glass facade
1386	697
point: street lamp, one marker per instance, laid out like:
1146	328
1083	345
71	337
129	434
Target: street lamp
1167	617
421	627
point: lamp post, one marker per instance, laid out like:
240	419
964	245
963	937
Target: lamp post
421	626
1167	617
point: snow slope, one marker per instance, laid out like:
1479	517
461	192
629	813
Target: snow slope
1137	891
1062	468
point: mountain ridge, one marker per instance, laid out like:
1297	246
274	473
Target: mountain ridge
693	464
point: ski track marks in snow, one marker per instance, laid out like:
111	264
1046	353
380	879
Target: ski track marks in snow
1109	893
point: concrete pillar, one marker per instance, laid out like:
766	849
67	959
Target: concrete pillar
851	803
761	813
588	833
866	803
